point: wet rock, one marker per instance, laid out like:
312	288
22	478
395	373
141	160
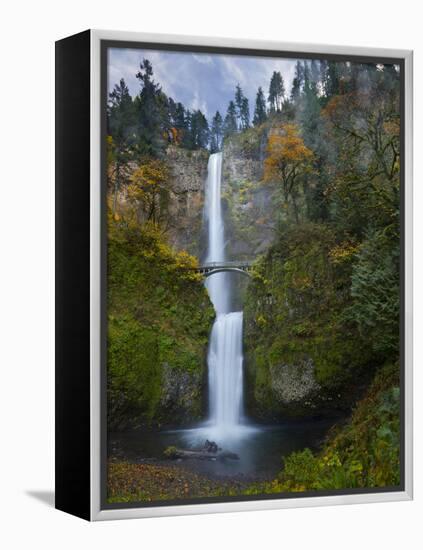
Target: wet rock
181	394
292	383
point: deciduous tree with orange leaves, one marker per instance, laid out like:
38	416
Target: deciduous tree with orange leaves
288	160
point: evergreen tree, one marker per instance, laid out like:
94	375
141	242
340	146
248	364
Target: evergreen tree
324	77
172	110
120	114
179	120
245	114
239	98
361	76
332	79
199	130
309	115
121	129
187	137
307	79
153	113
260	114
242	109
295	90
276	92
297	82
230	123
216	133
315	76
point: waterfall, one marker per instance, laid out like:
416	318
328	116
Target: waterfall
225	371
217	285
225	356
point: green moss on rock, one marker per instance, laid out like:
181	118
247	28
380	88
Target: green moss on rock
160	317
362	453
302	357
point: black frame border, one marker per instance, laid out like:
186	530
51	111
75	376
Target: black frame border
72	274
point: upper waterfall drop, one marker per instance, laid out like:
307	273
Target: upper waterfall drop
218	285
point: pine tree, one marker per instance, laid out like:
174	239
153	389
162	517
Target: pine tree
120	113
239	98
216	133
245	114
153	113
260	114
309	112
295	90
315	76
307	79
297	82
172	110
121	129
332	79
199	130
230	123
179	118
171	130
187	137
276	92
324	77
177	121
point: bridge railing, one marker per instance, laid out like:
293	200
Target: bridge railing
214	265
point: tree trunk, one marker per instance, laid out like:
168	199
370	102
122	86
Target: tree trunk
294	204
116	188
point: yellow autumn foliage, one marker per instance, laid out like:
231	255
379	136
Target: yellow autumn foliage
343	252
149	187
287	154
147	178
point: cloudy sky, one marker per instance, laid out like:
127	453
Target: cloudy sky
199	80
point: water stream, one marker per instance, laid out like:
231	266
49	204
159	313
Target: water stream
225	350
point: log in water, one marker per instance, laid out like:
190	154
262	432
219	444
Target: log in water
204	455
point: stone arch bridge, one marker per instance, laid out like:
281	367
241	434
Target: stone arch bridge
211	268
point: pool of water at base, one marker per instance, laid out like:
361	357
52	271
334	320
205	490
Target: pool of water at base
260	448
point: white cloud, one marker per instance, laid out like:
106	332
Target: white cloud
203	58
199	103
199	81
232	72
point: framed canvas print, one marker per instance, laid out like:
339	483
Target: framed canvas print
233	275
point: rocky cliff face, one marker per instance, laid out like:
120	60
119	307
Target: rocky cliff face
247	202
182	395
240	164
284	389
189	173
